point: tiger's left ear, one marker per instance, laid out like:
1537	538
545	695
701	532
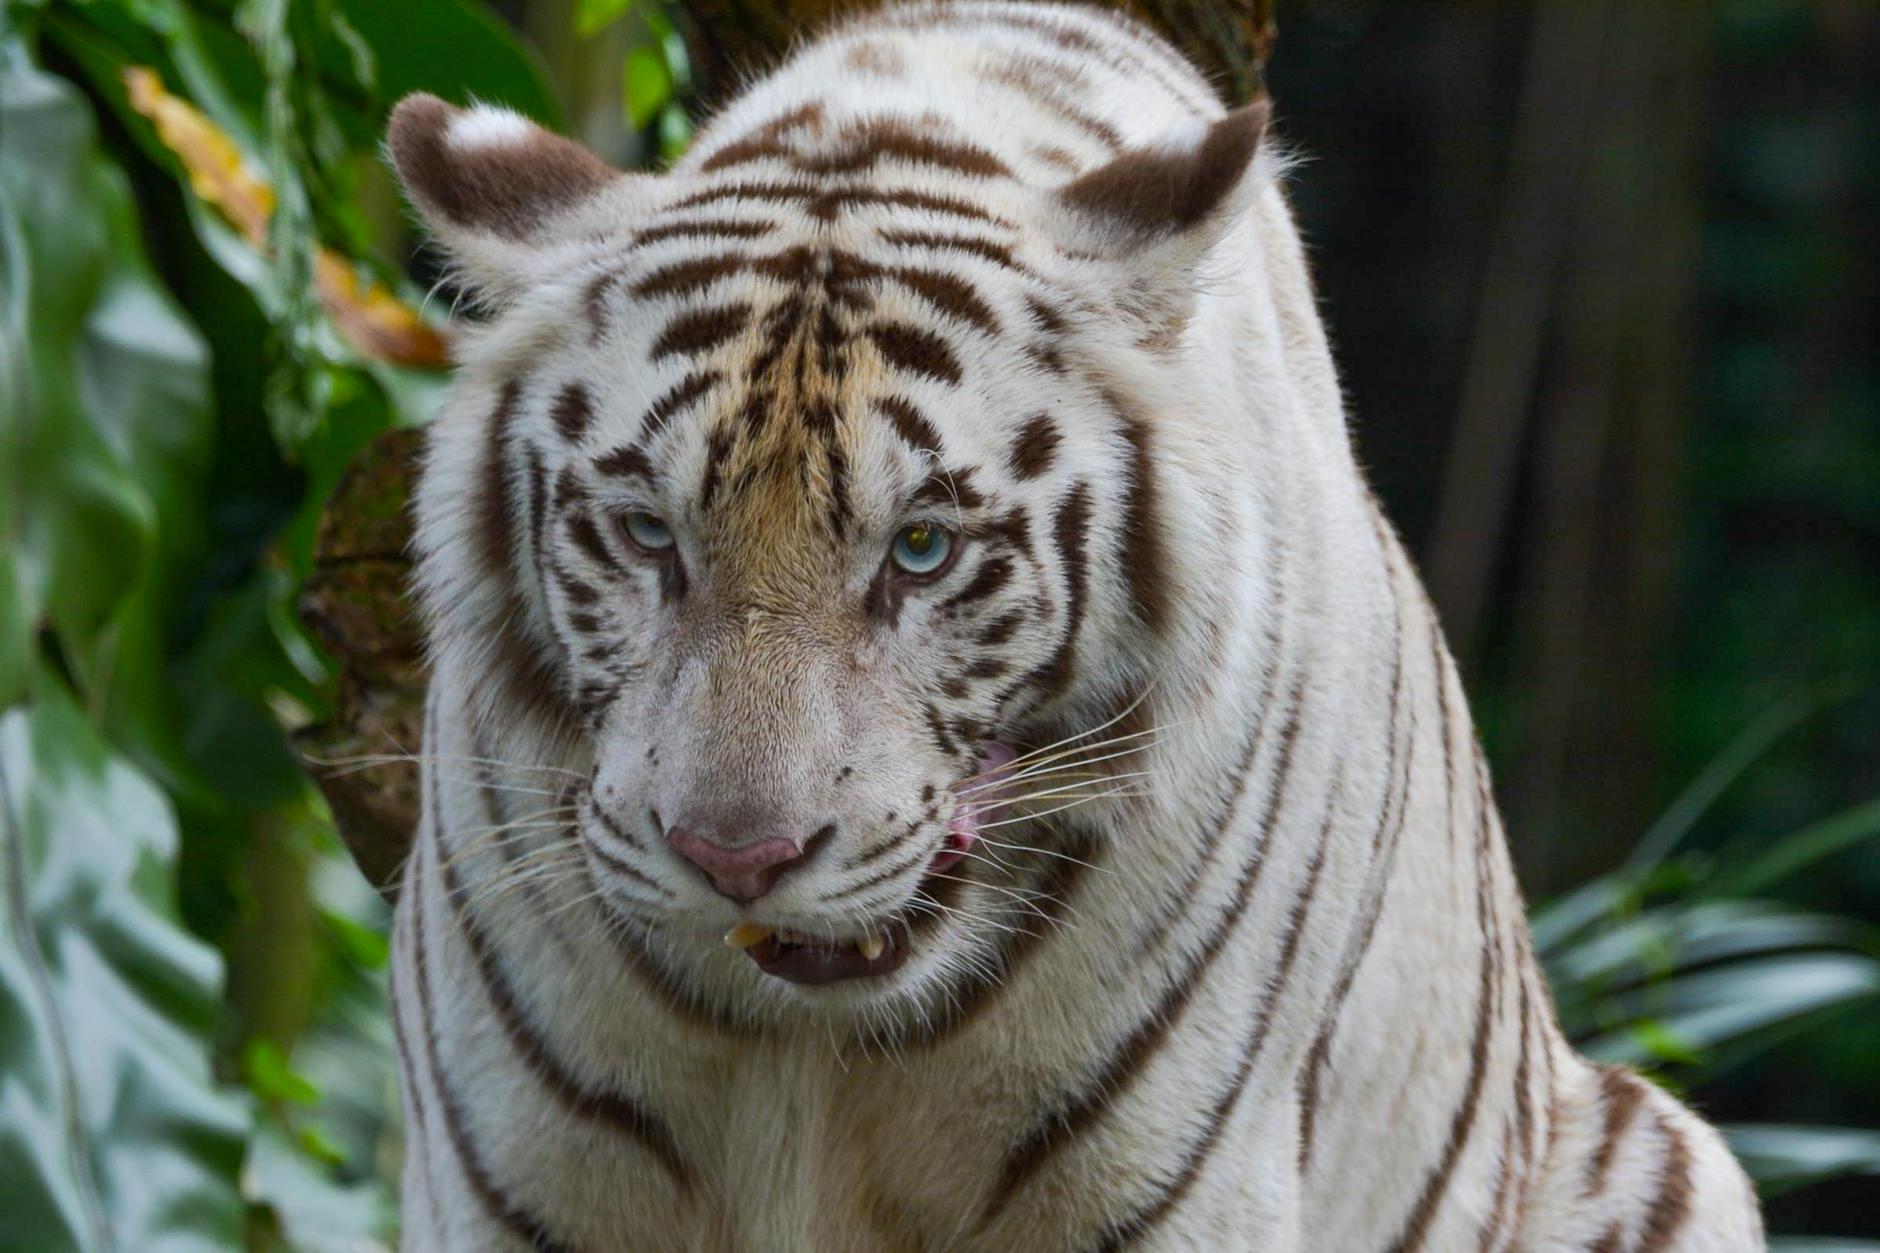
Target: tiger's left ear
494	189
1155	212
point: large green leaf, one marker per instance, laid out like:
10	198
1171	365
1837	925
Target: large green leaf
1677	937
1738	1005
106	420
112	1133
1781	1157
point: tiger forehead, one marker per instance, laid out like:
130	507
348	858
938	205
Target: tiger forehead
798	369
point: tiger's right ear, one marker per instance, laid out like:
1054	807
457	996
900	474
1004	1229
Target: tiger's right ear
494	189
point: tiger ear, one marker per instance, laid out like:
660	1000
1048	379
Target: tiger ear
493	188
1155	212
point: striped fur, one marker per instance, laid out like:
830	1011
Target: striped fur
1009	268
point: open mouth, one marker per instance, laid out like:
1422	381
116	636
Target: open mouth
883	947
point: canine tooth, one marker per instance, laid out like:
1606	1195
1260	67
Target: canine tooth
745	934
871	946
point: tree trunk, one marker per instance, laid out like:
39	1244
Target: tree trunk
355	601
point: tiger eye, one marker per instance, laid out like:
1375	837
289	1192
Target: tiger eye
921	548
647	531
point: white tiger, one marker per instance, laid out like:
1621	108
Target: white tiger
932	745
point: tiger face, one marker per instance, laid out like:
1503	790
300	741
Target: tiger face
811	507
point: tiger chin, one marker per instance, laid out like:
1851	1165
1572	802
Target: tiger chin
932	744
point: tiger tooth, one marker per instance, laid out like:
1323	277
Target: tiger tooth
871	946
745	934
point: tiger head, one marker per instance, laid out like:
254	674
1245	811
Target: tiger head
796	497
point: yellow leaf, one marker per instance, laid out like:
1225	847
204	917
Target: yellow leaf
371	318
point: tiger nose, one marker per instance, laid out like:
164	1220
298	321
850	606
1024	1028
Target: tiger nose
743	874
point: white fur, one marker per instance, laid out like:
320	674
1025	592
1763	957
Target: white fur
818	1120
488	126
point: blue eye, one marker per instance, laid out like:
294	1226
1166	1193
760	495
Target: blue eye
648	532
921	548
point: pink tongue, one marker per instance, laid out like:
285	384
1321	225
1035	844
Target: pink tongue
982	805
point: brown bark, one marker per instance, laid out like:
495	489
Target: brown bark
356	605
355	602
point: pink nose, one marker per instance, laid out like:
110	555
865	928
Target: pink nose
743	874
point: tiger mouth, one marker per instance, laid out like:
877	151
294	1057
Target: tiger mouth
885	945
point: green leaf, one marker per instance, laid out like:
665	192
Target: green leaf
1676	937
1781	1157
645	86
112	1133
675	133
593	16
1737	1004
107	419
272	1079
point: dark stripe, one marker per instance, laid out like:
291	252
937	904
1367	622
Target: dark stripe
1504	1176
861	146
915	856
518	666
989	249
690	276
496	541
909	423
1671	1208
625	463
1610	1242
1070	531
1145	559
676	997
572	412
570	1091
870	856
1122	1233
683	393
1147	1217
914	350
717	450
748	191
991	577
700	330
537	480
1384	842
948	293
1001	629
1072	1117
840	509
950	486
703	230
980	990
617	866
412	1080
1423	1215
829	203
587	538
1621	1092
520	1223
1050	318
1035	448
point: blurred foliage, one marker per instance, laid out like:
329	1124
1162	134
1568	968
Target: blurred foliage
200	330
207	312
